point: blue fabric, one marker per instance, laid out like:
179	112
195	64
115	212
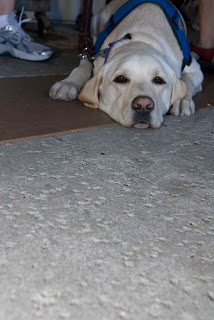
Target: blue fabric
171	13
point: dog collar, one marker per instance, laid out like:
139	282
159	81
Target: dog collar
111	45
104	53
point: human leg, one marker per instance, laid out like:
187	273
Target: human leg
6	6
204	48
14	40
206	35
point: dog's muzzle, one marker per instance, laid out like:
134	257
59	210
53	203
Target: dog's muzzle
143	106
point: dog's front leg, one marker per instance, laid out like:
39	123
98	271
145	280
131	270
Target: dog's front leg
69	88
192	76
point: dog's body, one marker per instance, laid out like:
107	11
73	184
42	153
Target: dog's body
143	75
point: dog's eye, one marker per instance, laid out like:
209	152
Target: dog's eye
121	79
158	80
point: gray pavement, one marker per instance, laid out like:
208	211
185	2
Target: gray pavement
109	223
61	64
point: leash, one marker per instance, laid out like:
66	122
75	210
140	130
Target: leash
86	48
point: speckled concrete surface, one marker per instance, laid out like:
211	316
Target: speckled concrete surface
109	223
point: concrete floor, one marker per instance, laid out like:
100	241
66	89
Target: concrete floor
108	223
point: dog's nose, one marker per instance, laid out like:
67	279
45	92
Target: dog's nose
143	105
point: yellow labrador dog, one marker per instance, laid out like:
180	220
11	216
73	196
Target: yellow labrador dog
142	76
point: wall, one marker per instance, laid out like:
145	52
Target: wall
66	11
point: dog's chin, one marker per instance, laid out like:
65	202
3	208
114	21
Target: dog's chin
141	125
141	122
146	125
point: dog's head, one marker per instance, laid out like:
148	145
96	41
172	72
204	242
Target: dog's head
134	89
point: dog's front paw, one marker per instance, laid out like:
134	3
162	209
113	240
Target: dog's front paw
63	90
183	107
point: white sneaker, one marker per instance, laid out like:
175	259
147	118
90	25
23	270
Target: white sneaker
17	43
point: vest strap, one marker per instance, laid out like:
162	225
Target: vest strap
172	14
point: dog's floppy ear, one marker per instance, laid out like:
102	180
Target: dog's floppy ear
179	90
89	93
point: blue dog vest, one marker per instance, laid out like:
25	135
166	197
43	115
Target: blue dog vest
172	15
